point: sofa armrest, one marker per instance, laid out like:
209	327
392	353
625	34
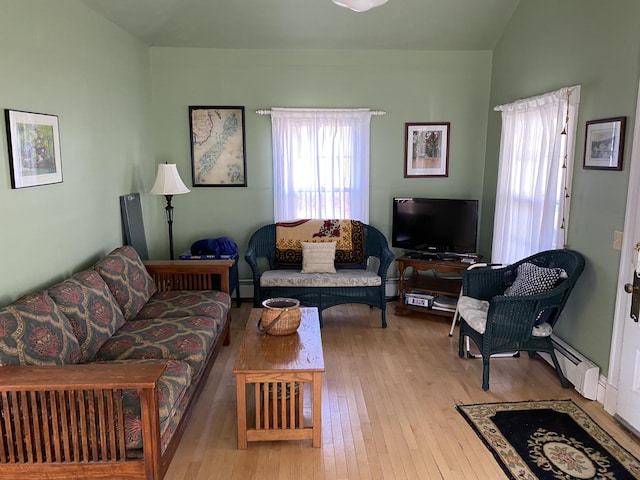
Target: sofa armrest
69	420
78	377
189	274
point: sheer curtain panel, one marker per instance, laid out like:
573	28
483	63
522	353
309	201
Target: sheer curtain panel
534	175
320	163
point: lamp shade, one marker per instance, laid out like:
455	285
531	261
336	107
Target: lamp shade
168	181
359	5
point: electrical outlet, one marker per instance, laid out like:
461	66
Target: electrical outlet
617	240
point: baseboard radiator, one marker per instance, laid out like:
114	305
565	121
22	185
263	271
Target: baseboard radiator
579	370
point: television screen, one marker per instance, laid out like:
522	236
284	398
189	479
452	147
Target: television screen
434	225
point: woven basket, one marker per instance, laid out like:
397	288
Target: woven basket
280	316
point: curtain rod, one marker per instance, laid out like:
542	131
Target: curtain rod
543	96
373	112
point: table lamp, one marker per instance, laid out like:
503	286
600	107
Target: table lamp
169	183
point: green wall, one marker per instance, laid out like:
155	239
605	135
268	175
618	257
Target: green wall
123	108
61	58
547	45
414	86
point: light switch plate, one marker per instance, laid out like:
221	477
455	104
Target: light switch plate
617	240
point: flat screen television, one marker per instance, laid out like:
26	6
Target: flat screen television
435	226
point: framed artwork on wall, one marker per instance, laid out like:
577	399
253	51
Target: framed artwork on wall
34	148
426	149
218	149
604	144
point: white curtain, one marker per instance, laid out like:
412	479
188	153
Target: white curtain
320	163
534	176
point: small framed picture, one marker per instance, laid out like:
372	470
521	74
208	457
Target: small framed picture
426	150
604	144
34	148
217	146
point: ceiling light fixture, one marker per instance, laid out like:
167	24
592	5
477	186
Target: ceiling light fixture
359	5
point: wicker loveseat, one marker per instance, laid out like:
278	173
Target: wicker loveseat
275	259
100	370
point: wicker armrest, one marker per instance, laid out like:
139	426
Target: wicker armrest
484	283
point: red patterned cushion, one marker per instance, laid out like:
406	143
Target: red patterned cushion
186	303
172	385
188	339
34	331
90	307
127	278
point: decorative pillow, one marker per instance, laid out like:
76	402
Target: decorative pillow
532	279
90	307
545	315
128	279
318	257
34	331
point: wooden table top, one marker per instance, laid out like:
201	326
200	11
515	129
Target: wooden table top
301	351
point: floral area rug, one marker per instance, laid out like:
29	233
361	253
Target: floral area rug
549	440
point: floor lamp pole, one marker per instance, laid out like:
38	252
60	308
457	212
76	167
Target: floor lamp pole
169	210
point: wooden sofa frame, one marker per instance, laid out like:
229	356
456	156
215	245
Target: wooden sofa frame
62	422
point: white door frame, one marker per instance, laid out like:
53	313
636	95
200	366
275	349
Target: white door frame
625	272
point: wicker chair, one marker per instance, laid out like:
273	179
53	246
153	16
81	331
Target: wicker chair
511	320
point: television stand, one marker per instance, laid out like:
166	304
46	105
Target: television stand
422	255
427	288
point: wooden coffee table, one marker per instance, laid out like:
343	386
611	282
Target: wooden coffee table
278	368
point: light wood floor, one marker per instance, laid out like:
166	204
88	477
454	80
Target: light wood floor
389	399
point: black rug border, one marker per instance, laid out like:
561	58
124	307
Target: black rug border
495	454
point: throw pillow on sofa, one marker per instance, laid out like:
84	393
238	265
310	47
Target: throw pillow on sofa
318	257
34	331
128	279
90	307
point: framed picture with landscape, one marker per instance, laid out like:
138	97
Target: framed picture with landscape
217	146
34	148
426	150
604	144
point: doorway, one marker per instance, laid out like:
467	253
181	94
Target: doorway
622	398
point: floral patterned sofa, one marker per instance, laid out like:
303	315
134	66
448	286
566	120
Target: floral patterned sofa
99	371
355	270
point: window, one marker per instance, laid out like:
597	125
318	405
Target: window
321	163
534	178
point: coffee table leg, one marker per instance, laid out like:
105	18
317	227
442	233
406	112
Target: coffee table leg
241	400
317	409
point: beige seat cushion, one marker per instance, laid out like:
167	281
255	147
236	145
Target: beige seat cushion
475	311
342	278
